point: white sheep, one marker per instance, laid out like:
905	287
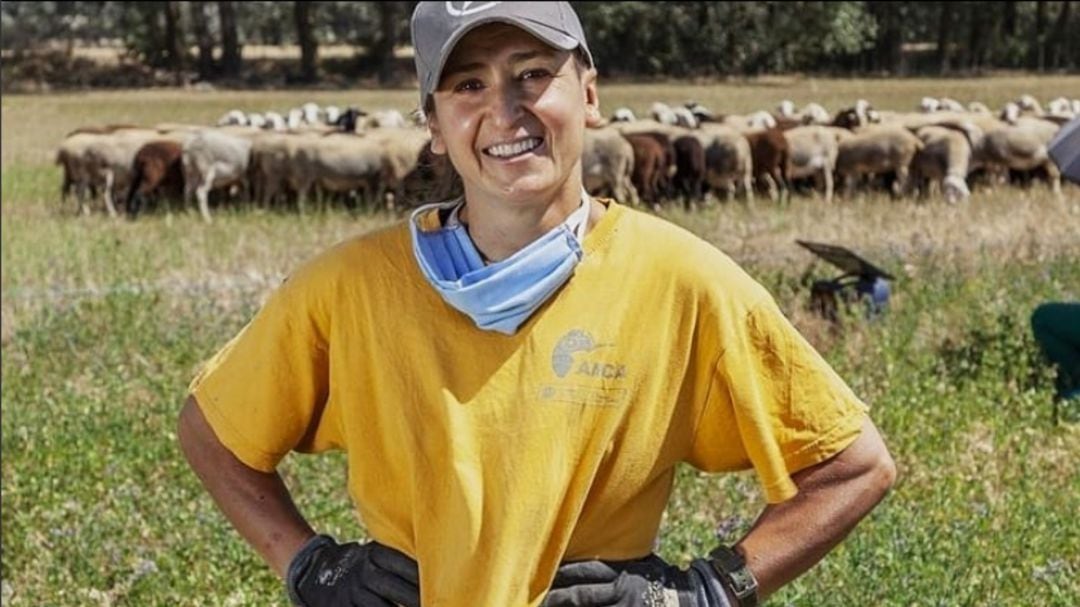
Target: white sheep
233	117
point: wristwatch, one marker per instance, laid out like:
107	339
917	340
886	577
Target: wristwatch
731	566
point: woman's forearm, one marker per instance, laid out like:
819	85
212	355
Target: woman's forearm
791	537
257	503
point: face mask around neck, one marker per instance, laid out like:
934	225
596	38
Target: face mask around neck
502	295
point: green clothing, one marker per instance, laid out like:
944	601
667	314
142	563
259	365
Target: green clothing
1057	330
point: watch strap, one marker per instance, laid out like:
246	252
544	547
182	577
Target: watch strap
732	569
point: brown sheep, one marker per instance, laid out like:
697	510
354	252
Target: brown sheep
649	165
689	179
157	170
769	151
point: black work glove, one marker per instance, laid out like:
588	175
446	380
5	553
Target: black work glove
648	582
325	573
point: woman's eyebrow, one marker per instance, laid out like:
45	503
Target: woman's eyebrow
458	68
526	55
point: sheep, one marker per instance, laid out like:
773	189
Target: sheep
311	112
976	107
110	159
274	121
685	118
332	114
607	165
384	119
663	114
654	161
876	150
769	152
1020	147
340	162
157	169
945	158
294	119
728	162
233	117
1059	105
256	120
946	104
812	152
214	159
929	105
689	179
702	113
623	114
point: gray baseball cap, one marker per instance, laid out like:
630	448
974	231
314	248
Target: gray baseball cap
1065	150
438	26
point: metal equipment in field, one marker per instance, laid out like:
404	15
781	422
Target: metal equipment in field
861	281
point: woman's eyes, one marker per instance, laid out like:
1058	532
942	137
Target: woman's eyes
475	84
535	73
472	84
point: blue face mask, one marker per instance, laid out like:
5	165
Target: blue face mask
500	296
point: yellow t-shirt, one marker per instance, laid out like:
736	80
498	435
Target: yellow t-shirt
491	458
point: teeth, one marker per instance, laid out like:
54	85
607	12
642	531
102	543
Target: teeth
506	150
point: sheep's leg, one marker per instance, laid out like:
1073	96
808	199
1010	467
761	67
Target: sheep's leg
748	187
1053	175
770	185
203	194
110	180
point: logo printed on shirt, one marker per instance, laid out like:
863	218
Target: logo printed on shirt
464	9
585	379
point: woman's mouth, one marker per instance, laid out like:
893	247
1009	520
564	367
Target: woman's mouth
513	149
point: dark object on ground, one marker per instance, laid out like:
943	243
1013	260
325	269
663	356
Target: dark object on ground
861	280
1056	326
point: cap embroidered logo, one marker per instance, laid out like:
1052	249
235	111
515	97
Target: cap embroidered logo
464	9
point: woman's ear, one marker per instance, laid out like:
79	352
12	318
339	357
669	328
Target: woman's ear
438	145
592	99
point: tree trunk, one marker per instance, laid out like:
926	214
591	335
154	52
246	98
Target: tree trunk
1058	40
1037	52
231	62
303	12
201	29
382	52
945	24
1010	19
175	49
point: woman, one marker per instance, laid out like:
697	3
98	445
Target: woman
514	375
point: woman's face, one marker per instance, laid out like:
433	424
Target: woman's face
511	112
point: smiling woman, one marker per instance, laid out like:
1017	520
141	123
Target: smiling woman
515	373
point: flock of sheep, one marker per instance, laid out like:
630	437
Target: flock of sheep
682	153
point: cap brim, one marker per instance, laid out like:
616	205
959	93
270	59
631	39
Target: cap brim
543	32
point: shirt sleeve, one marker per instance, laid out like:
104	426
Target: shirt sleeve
265	392
774	404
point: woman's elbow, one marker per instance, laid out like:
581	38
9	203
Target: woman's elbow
884	472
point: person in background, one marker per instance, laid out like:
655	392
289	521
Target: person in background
515	373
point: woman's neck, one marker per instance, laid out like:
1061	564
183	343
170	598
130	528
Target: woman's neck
500	229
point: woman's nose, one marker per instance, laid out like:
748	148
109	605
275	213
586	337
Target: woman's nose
506	105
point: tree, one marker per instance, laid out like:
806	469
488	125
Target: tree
1059	39
200	26
231	60
175	48
945	25
303	13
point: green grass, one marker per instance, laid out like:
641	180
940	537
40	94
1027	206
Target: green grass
105	323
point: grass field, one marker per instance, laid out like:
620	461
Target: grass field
105	322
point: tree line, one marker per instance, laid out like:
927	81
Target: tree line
204	40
